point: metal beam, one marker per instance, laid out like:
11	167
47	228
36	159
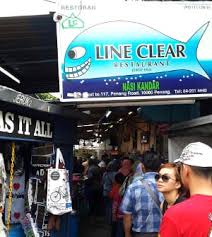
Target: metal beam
26	49
17	98
204	120
135	103
30	62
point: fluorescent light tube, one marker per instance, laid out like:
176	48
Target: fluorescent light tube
9	75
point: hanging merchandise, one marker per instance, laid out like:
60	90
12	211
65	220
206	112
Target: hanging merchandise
20	152
42	156
18	193
58	188
14	206
31	223
3	185
17	210
3	178
29	227
3	231
35	222
10	186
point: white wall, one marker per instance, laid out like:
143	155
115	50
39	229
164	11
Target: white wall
176	144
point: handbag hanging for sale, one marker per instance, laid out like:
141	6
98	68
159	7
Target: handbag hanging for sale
3	231
58	188
3	184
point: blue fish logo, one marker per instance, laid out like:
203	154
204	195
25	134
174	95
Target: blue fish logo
117	48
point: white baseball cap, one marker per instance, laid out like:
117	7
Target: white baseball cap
196	154
102	164
92	157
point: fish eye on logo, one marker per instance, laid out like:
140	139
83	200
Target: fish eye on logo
76	52
80	69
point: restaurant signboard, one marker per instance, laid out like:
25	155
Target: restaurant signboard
134	50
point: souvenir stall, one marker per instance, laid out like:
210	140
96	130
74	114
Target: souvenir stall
25	154
35	163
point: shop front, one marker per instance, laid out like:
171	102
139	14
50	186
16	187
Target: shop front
29	137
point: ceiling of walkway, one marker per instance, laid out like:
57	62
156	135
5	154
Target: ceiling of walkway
28	50
101	124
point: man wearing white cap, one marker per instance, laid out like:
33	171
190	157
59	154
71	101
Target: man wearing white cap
193	217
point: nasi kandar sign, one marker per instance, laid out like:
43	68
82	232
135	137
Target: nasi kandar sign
133	50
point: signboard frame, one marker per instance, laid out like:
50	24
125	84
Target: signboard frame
189	82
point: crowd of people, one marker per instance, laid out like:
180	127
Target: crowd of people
145	197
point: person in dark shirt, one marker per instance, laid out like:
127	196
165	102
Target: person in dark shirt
94	189
77	166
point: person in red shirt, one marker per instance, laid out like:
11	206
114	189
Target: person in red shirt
193	217
117	215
